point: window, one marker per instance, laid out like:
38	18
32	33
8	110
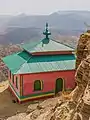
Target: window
59	85
16	82
10	74
13	78
21	85
37	85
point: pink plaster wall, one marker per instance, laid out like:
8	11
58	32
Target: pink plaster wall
14	84
49	80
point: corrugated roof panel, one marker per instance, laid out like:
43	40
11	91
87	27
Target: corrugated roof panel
23	62
51	46
24	55
30	45
69	64
35	67
23	68
52	66
61	65
15	61
44	66
51	58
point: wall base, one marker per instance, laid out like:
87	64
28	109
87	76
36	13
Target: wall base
18	99
33	97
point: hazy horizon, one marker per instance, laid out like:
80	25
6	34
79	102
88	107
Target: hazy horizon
41	7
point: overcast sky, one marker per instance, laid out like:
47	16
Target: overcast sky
41	6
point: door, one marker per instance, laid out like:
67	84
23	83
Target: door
59	85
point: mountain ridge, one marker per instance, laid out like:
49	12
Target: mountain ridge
14	29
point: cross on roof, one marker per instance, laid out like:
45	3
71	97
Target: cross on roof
46	32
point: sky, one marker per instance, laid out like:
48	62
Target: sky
34	7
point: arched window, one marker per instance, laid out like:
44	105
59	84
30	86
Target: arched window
59	85
37	85
16	82
13	78
10	74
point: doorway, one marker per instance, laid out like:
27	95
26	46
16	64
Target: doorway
59	85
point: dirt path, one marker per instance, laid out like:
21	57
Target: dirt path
7	107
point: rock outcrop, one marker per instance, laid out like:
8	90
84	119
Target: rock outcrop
82	51
81	94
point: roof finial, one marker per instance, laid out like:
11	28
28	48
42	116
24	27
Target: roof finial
47	33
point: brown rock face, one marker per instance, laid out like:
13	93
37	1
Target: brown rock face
81	95
82	50
80	100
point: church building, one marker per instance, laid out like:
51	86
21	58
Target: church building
41	69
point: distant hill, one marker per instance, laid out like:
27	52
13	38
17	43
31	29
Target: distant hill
67	20
19	35
16	29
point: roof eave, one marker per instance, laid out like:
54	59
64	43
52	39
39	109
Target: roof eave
45	72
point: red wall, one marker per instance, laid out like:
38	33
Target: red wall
14	84
49	80
53	53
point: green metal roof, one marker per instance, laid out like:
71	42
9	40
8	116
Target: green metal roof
51	46
23	62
